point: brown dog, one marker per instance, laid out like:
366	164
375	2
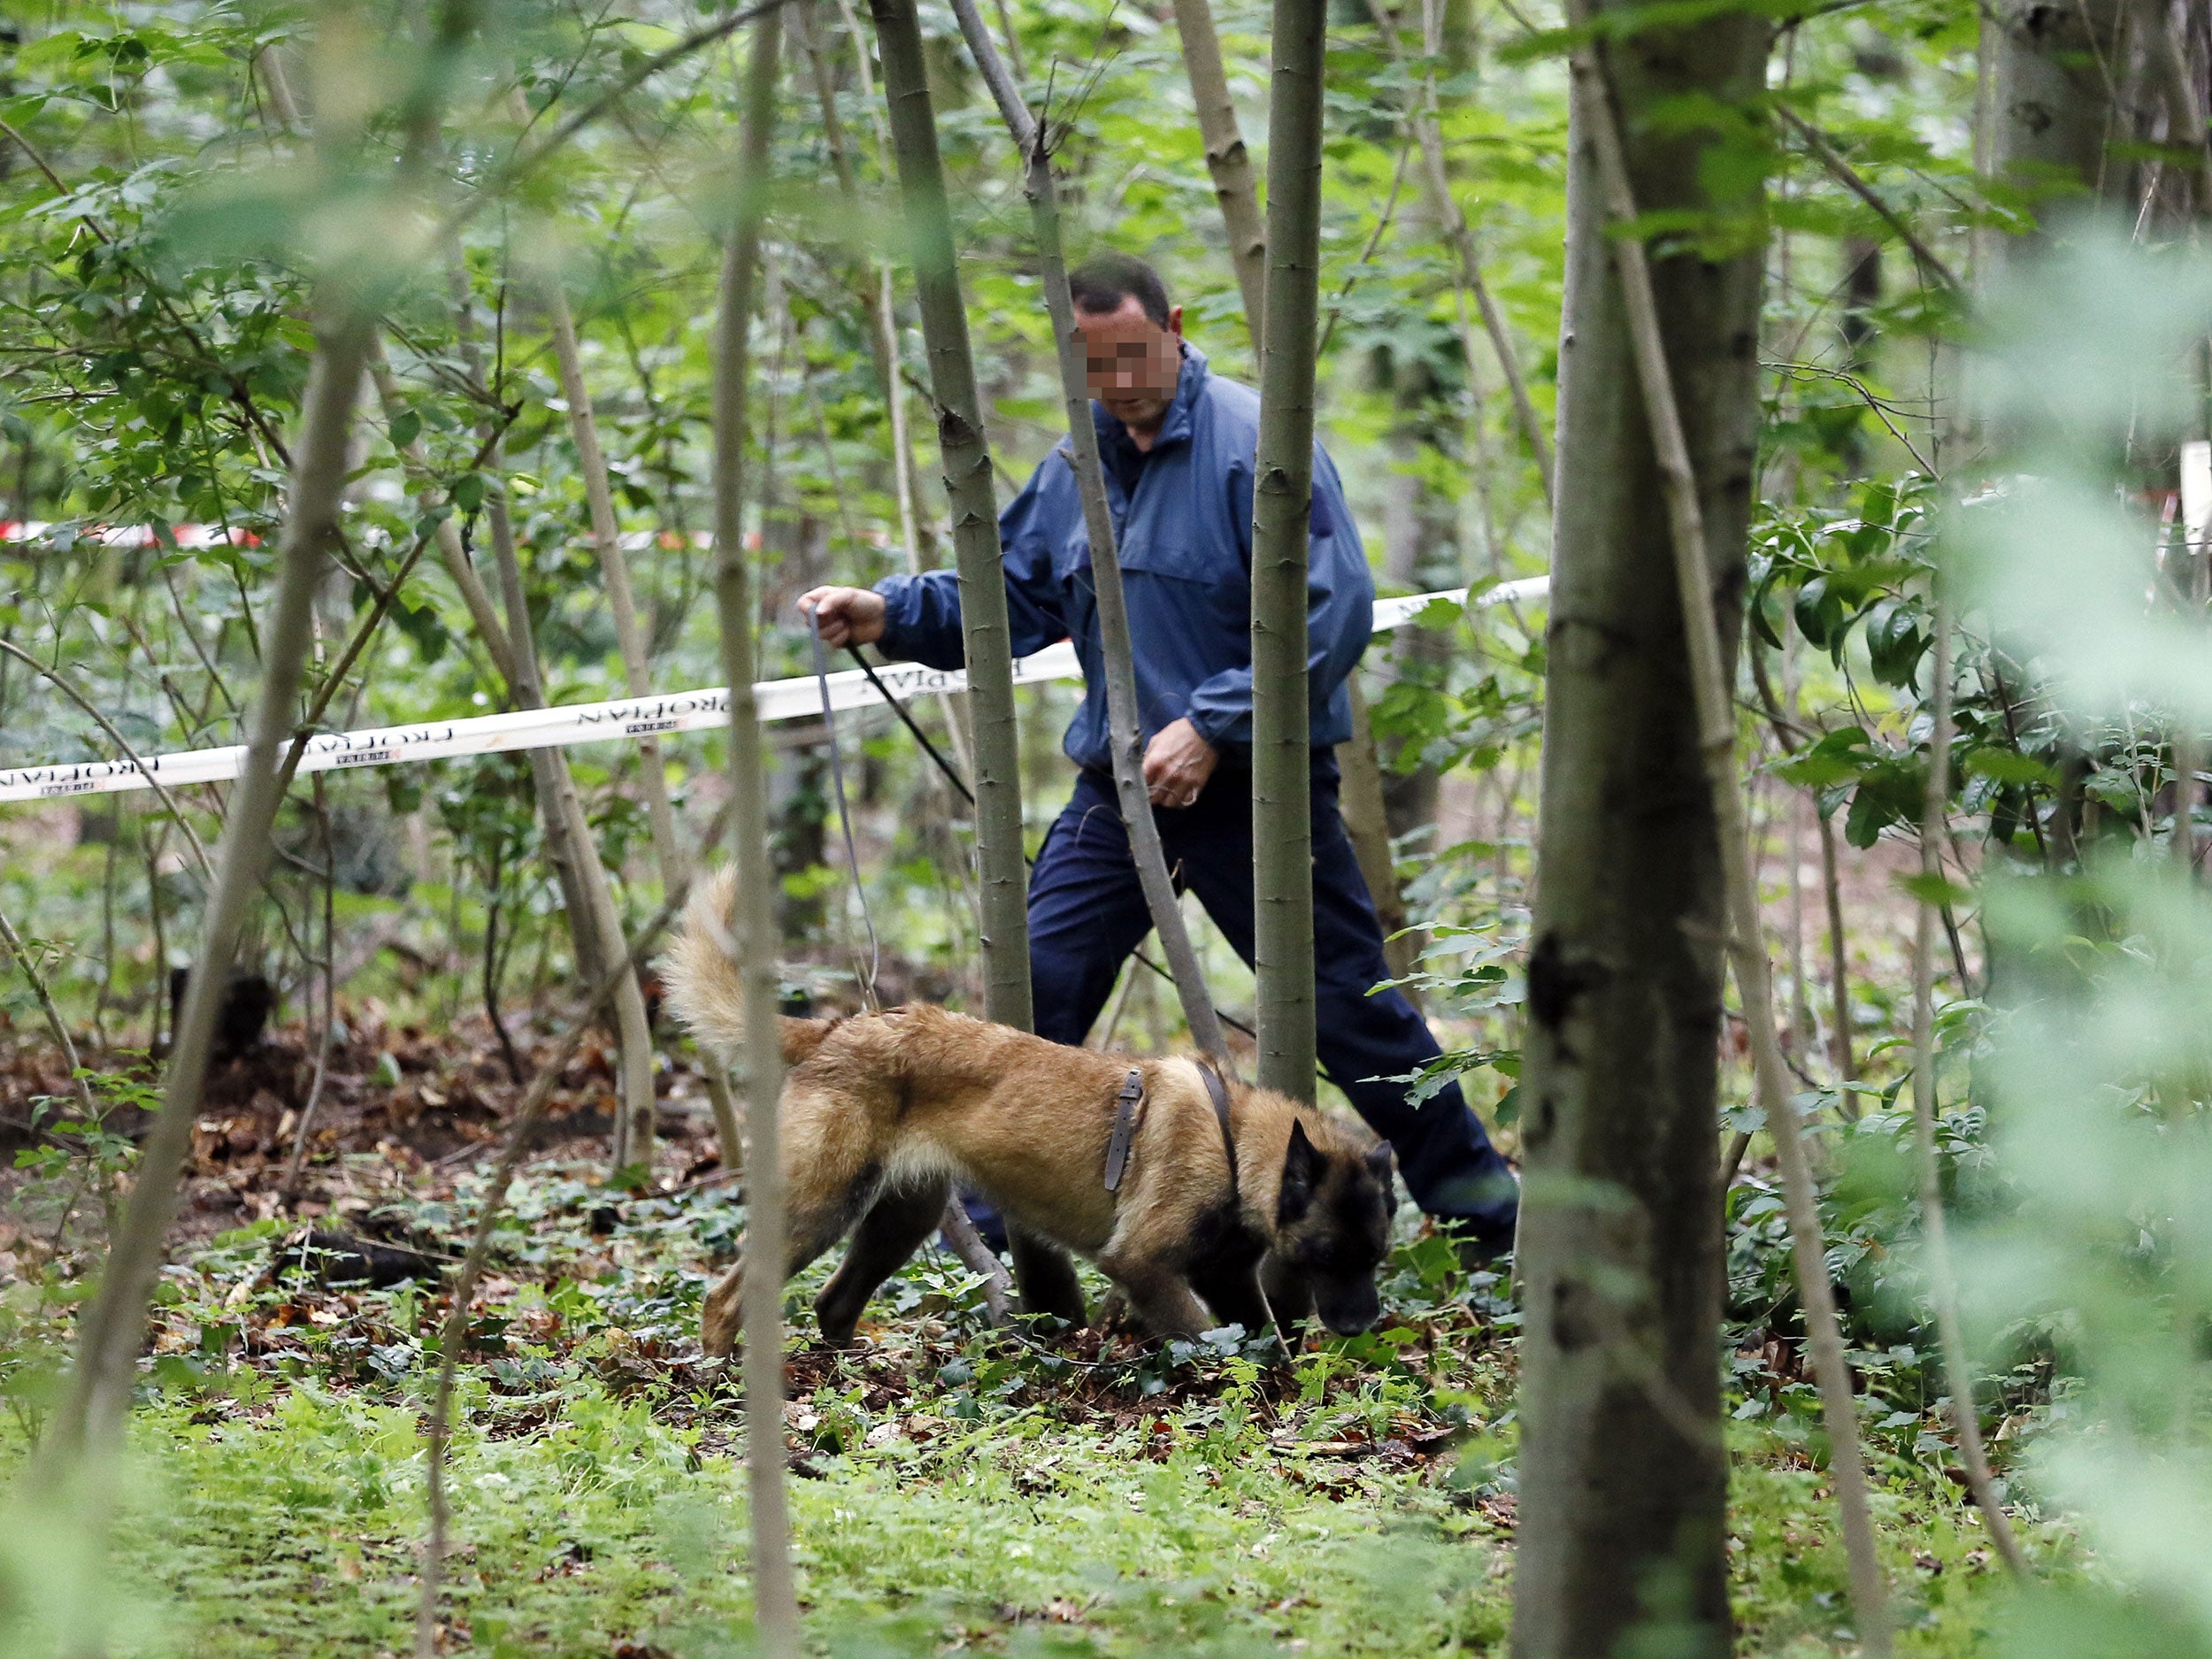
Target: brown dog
882	1114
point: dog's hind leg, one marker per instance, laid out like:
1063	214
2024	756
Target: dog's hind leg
816	1218
834	1144
1045	1276
722	1316
894	1228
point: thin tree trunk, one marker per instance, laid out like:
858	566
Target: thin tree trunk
2196	583
587	898
1803	1027
1445	206
1002	874
1839	954
614	566
1126	735
1651	66
1236	187
630	635
289	1188
451	549
1623	1474
595	923
775	1598
21	957
1935	1233
1282	497
979	1258
89	1424
1367	824
915	538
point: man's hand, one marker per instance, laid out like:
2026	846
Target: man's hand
850	616
1176	764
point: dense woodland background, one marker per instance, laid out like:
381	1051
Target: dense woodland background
1969	243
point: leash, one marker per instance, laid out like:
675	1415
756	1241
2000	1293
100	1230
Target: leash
1129	1111
954	778
845	819
1217	1092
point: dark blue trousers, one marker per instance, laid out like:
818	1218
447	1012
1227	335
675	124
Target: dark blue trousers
1086	913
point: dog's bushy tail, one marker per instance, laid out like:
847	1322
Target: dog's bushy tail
699	971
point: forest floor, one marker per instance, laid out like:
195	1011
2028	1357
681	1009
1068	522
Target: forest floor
956	1488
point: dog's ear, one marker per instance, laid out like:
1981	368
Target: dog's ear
1302	1169
1379	1166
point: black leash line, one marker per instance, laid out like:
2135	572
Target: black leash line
844	816
953	778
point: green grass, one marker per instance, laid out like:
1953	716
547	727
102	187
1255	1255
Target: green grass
954	1489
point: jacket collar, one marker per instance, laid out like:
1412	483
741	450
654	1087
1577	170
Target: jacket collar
1190	384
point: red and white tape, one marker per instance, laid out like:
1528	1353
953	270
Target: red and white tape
628	718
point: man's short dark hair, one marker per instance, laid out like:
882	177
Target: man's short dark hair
1102	281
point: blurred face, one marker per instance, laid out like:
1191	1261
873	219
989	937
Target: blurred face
1132	363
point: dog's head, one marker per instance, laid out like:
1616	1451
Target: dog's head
1333	1221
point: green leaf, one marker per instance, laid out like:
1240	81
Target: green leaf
1933	889
2007	766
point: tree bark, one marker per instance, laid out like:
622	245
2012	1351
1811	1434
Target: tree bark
1623	1475
1236	188
775	1600
595	924
1282	498
1235	185
1368	823
614	566
879	297
1002	874
1125	731
1839	1054
2056	106
630	635
1710	665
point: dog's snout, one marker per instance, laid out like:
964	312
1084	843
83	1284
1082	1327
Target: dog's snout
1348	1309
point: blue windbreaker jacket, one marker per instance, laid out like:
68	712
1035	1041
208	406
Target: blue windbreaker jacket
1186	543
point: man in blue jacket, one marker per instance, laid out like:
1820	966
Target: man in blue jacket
1177	443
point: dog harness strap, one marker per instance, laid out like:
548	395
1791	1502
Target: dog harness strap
1125	1128
1218	1092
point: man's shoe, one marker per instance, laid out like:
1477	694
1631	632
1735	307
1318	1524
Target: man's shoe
1482	1247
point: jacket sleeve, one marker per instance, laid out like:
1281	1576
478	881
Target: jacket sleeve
1340	609
921	621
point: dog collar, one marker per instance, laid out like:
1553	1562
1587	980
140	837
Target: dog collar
1125	1128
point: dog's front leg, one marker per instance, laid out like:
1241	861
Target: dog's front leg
1045	1276
722	1316
1232	1291
1158	1295
1288	1295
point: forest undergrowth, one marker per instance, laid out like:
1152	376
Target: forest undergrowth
1025	1490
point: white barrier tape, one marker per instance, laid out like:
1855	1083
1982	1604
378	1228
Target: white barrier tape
629	717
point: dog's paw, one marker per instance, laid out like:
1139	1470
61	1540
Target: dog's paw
718	1329
1114	1316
